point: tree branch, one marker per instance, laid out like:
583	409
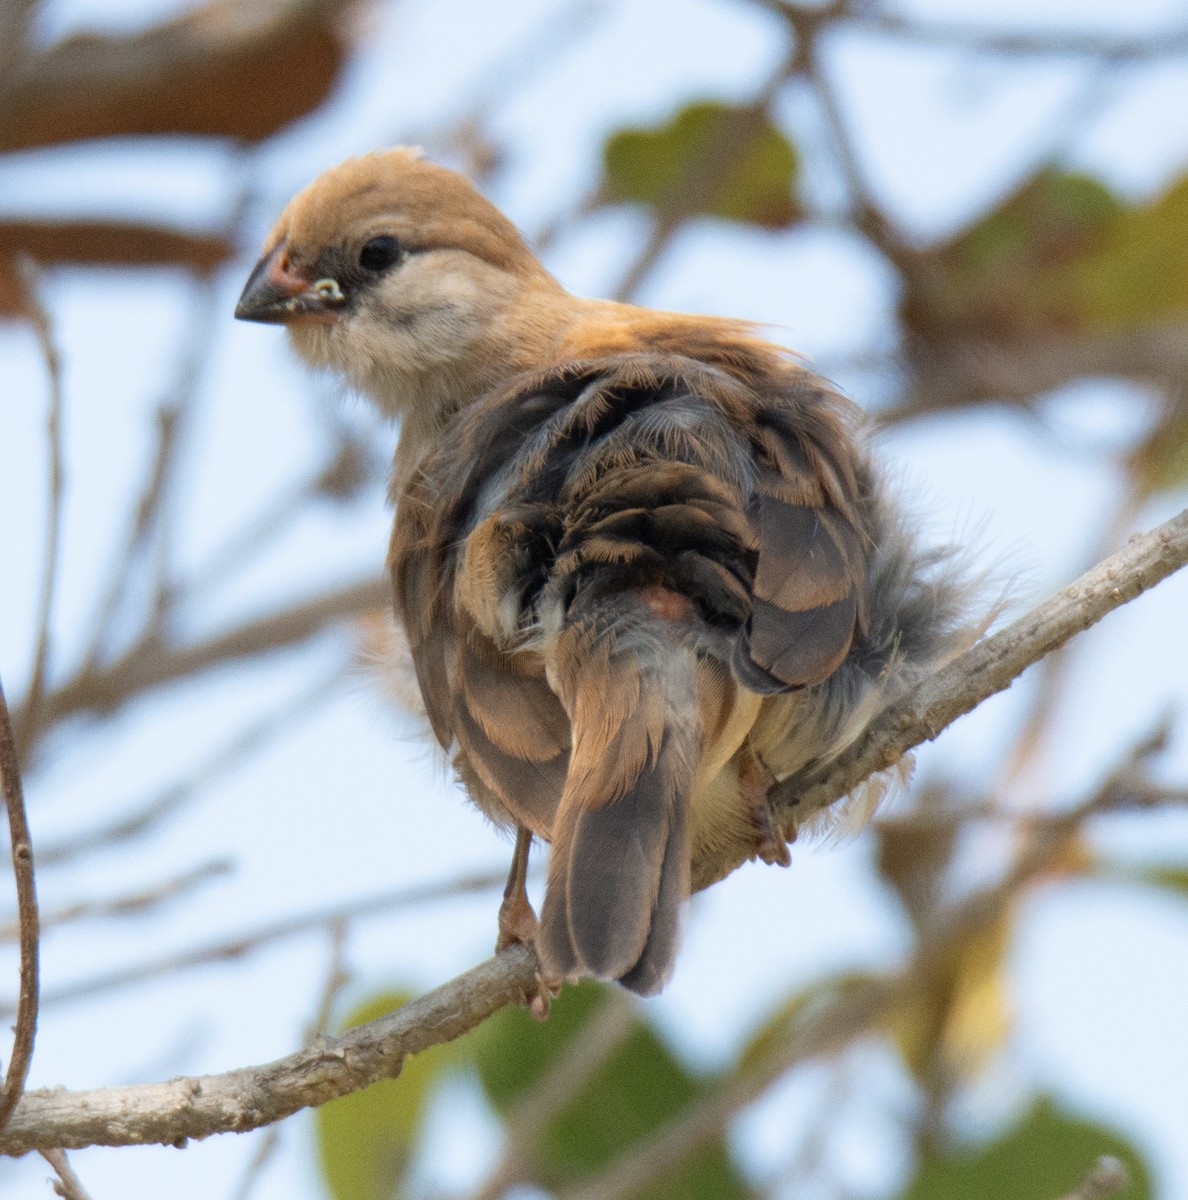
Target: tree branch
1073	43
68	1184
171	1113
30	933
861	1006
990	666
1057	43
239	945
150	665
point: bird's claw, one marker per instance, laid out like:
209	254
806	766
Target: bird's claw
754	782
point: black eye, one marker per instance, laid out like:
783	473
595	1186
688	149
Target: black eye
379	254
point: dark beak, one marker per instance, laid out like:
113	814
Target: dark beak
276	295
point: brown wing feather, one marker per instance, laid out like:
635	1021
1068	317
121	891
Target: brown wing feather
810	575
566	558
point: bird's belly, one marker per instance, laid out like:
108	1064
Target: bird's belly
719	818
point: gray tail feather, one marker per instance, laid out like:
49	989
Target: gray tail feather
619	868
613	908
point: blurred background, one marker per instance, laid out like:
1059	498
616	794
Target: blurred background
971	214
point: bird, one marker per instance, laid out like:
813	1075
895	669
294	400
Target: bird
646	562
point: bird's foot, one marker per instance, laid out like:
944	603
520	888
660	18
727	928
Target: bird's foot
754	782
518	926
517	922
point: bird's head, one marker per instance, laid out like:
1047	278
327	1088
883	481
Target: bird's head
397	274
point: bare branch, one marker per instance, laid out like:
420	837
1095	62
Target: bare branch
990	666
151	527
129	904
170	800
1073	43
16	19
22	869
250	541
68	1184
575	1066
168	418
172	1113
960	373
204	72
821	1034
150	665
255	1096
230	949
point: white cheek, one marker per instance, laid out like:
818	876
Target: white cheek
413	334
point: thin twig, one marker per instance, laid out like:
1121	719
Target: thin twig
1130	796
867	214
204	325
130	903
1052	674
1170	43
67	1185
16	20
819	1035
139	530
797	1174
249	542
151	526
172	799
150	665
30	714
231	949
556	35
573	1069
718	159
644	262
22	868
990	666
964	373
860	1008
337	977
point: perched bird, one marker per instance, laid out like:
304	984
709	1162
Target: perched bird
644	562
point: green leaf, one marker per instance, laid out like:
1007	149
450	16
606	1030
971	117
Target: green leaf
1045	1156
366	1140
1061	255
711	160
1010	273
1139	276
1160	464
637	1089
1173	878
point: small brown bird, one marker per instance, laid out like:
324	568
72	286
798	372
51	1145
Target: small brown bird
644	562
